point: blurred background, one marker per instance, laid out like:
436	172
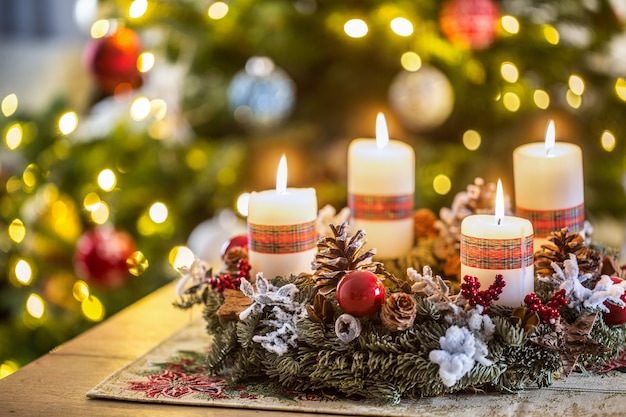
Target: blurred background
131	129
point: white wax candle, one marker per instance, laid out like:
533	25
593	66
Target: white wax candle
381	185
549	187
492	245
281	229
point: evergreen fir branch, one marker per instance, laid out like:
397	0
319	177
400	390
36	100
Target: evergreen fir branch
511	334
223	343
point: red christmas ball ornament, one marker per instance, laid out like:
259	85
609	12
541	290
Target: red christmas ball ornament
616	314
470	24
360	293
100	256
237	241
113	61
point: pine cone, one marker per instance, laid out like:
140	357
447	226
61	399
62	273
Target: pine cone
398	312
338	254
564	243
232	258
321	311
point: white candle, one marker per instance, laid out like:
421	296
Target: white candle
281	228
381	185
549	188
492	245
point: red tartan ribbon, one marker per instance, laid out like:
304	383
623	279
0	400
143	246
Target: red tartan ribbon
282	239
381	207
546	221
497	253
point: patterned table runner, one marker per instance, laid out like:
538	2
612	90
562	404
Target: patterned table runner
174	373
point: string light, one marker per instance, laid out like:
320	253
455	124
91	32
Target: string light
442	184
35	306
9	105
13	137
608	141
471	139
620	88
100	215
509	72
541	99
107	180
91	201
80	290
7	368
92	308
23	272
137	9
573	99
401	26
511	101
551	34
576	84
355	28
158	212
181	257
510	24
68	122
17	230
242	204
100	28
411	61
137	263
218	10
145	62
29	177
140	109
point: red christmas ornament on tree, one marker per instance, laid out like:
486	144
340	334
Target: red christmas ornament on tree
360	293
113	61
100	256
616	315
470	24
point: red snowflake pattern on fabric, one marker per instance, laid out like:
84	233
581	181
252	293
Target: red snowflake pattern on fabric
176	384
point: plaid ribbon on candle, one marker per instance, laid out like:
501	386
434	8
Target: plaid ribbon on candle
380	207
502	254
546	221
283	238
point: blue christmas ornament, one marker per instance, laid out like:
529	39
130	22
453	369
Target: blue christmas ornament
262	95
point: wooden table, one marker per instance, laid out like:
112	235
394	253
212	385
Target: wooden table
55	384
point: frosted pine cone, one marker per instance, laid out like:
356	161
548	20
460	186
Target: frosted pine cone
398	312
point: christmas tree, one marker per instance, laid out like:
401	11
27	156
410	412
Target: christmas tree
193	102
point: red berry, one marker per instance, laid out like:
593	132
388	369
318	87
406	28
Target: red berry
360	293
237	241
616	314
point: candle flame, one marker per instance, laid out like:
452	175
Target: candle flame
550	137
281	176
499	202
382	134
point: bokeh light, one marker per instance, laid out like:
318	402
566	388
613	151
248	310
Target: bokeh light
576	84
608	141
620	88
471	139
9	104
140	109
541	99
100	28
355	28
107	180
442	184
242	204
80	290
218	10
137	8
92	308
7	368
411	61
181	257
17	230
23	272
511	101
510	24
14	135
158	212
68	122
573	99
401	26
509	72
100	214
551	34
137	263
145	62
35	306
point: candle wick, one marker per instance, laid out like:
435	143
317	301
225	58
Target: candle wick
499	221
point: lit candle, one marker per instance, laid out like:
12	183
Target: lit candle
492	245
549	188
281	228
381	184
